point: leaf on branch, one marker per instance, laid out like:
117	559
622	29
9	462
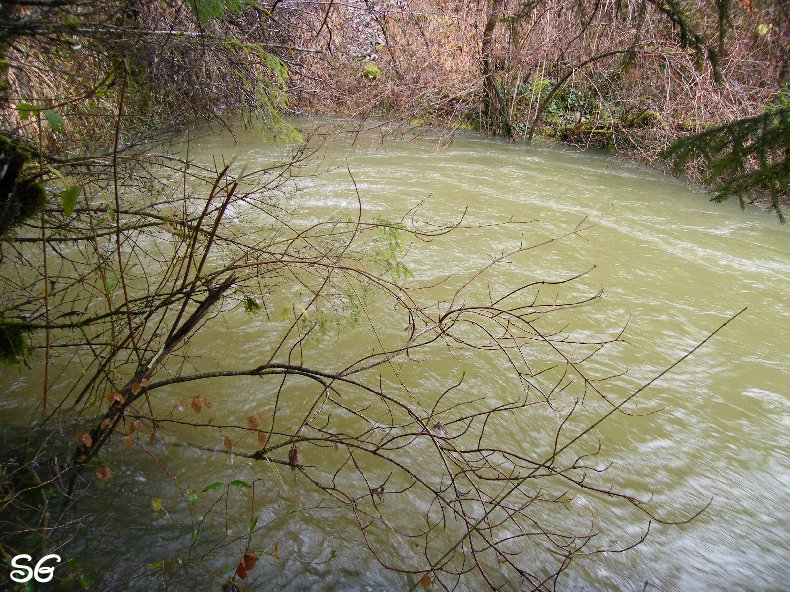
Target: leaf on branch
227	442
156	504
212	487
135	387
128	441
25	110
105	424
103	473
240	484
68	200
196	406
261	438
425	581
86	440
252	422
134	427
276	551
55	120
182	405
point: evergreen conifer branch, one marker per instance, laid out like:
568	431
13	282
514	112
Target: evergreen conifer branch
742	157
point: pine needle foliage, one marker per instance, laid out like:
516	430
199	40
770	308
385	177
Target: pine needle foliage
742	158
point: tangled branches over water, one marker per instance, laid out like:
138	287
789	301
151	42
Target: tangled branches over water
382	418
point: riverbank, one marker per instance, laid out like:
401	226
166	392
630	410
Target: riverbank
631	78
591	76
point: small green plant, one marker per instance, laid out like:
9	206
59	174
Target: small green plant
390	251
371	71
540	85
782	99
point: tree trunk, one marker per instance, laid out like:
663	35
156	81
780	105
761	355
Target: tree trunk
494	115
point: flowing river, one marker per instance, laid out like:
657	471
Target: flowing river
672	267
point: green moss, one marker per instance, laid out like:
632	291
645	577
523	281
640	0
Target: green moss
689	125
646	119
70	23
20	195
32	198
14	344
251	306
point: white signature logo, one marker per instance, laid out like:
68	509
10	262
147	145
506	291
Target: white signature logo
24	573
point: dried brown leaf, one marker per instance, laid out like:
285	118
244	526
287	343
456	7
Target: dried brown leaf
116	397
241	571
247	563
293	457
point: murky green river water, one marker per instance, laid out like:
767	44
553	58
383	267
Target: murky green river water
671	265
